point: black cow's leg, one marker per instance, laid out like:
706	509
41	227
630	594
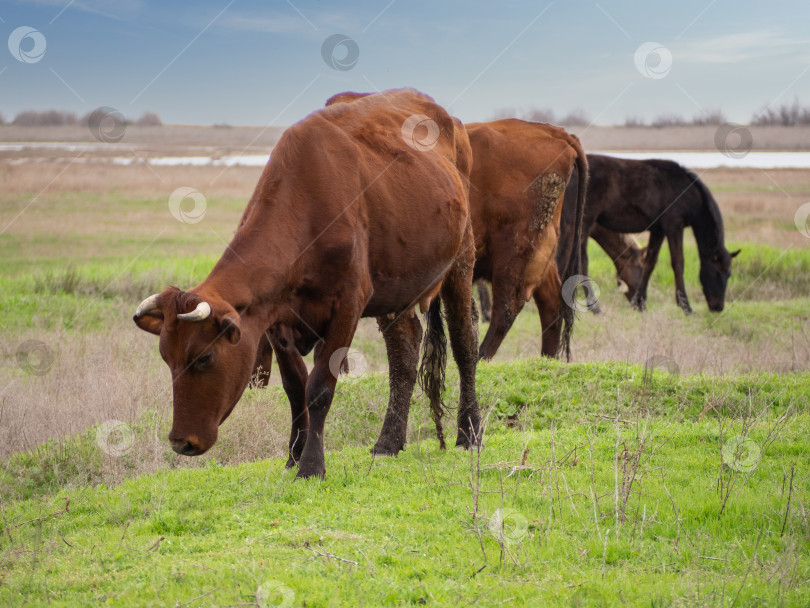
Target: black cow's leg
402	339
321	383
591	302
293	372
675	241
654	247
463	329
486	302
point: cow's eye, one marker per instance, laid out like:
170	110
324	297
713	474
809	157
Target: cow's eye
204	361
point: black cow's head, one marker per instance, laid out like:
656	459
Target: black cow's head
715	269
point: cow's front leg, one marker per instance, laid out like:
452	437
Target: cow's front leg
675	242
293	372
320	387
264	362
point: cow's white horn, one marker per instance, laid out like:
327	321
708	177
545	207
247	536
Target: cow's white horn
149	304
202	312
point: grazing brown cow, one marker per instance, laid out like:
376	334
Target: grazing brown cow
627	256
518	180
349	219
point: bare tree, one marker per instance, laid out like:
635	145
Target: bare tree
149	119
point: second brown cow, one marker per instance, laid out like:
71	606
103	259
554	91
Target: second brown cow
518	180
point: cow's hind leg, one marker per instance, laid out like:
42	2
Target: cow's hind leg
293	372
507	297
650	259
402	339
486	302
462	325
548	298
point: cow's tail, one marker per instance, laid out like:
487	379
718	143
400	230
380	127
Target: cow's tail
572	235
434	363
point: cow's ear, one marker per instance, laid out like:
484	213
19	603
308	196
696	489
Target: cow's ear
151	322
229	326
734	254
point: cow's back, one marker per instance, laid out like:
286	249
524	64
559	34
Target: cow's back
626	195
376	197
520	170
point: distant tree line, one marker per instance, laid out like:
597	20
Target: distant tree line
60	118
786	115
575	118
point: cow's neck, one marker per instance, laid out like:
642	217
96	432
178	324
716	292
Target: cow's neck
708	229
255	268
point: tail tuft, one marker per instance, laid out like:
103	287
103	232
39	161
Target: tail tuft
434	363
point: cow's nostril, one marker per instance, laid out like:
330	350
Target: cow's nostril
184	447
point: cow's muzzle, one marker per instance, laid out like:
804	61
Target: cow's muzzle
186	447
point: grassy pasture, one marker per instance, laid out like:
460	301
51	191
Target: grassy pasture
610	482
615	469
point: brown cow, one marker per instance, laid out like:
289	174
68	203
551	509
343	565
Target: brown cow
350	218
518	181
627	256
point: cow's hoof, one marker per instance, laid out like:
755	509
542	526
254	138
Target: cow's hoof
463	442
291	462
310	472
468	447
383	450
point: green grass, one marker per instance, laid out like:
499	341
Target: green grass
411	524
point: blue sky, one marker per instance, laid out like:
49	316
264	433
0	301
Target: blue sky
250	62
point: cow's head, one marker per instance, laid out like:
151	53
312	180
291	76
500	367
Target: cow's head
630	272
715	269
210	348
